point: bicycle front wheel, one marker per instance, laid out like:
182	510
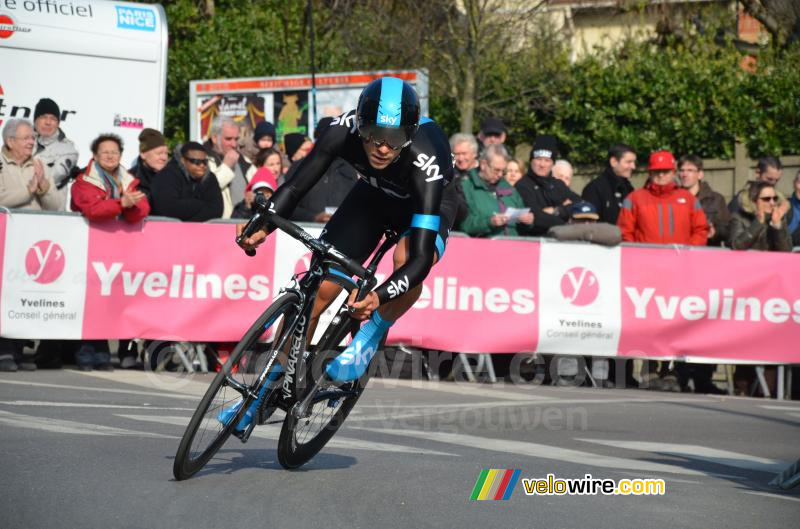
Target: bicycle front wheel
233	388
303	437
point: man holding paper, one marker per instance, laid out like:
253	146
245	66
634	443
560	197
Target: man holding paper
495	207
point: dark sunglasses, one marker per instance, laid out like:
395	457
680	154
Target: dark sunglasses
768	199
196	161
395	139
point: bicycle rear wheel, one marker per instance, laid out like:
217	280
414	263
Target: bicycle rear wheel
302	438
234	387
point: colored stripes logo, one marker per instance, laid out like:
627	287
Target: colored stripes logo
495	484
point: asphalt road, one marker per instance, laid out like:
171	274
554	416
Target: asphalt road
96	450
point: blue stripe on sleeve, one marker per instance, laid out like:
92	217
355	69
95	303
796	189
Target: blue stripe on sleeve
425	222
439	246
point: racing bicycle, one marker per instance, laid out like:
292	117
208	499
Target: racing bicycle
254	382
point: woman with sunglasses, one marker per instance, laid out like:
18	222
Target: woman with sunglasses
761	222
185	189
404	163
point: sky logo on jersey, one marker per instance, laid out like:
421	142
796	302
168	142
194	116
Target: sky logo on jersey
136	18
495	484
398	287
346	120
425	163
390	105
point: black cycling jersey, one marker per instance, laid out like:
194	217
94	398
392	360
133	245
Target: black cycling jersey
415	179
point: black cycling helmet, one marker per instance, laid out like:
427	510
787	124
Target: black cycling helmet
388	112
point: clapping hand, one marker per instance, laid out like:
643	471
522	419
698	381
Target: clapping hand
130	198
778	212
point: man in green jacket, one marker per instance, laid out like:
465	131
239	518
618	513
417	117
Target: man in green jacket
489	198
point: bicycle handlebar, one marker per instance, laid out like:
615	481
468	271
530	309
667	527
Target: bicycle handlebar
265	214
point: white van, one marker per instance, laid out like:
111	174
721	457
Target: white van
103	63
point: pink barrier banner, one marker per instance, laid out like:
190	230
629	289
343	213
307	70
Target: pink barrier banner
480	298
730	305
172	280
63	278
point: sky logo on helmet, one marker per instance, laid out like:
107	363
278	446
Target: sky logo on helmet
390	104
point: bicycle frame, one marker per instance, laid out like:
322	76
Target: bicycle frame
306	285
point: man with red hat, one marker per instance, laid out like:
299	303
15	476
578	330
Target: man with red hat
662	212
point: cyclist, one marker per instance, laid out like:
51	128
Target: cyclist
403	163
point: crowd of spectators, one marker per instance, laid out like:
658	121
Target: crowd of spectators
497	195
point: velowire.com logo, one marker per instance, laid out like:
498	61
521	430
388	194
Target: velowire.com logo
495	484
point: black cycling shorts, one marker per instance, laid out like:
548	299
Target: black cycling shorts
358	225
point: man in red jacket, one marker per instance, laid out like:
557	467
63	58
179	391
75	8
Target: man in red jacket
662	212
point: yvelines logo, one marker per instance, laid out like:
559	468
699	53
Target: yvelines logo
45	262
579	286
7	26
713	304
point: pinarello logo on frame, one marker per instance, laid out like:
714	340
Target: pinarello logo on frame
580	286
45	262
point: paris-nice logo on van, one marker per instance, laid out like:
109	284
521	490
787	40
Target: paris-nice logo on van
579	286
45	262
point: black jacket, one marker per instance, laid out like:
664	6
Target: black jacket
606	193
176	194
542	192
330	191
455	194
145	175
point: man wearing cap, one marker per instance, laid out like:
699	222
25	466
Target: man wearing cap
186	189
153	157
53	148
493	131
607	191
548	197
662	212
